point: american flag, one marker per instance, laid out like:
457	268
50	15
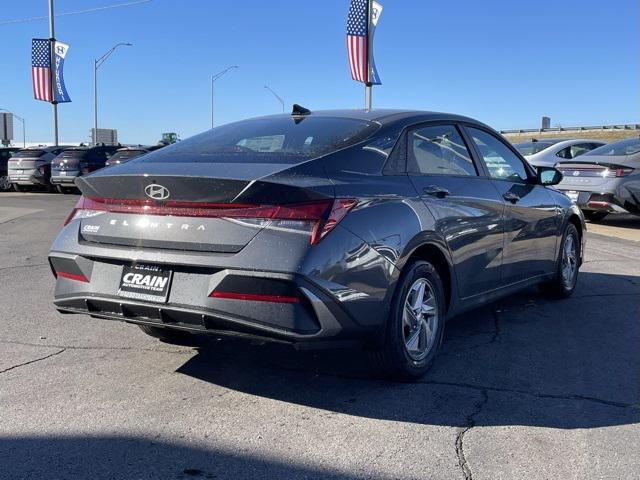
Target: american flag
359	37
357	40
41	69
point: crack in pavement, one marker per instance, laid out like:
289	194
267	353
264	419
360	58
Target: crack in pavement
585	398
24	266
34	361
471	422
187	350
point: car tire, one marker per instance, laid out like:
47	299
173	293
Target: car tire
19	188
412	314
5	184
594	216
566	277
61	189
174	337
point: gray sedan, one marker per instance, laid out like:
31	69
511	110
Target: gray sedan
605	180
548	152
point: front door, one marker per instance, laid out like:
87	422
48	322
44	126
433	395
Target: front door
467	208
531	216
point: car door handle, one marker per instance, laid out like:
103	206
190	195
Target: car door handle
436	191
511	197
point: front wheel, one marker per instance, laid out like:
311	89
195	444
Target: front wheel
5	184
415	326
566	277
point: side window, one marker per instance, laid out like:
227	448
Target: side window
501	162
439	150
564	153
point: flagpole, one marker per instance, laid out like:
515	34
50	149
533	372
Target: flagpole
368	87
52	41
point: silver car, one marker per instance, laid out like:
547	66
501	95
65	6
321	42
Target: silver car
548	152
605	180
32	167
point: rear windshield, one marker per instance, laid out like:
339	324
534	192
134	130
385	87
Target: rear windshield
29	154
624	147
267	140
531	148
126	154
73	154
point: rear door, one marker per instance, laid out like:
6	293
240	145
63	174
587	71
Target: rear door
467	208
532	220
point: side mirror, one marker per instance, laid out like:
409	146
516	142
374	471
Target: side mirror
549	176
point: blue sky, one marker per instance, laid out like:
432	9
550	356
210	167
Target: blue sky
504	62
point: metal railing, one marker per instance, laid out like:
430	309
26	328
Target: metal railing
628	126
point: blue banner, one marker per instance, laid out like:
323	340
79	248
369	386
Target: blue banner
60	94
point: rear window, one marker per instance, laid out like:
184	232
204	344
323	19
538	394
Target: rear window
29	154
531	148
624	147
267	140
73	154
127	154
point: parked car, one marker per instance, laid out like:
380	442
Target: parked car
605	180
548	152
123	155
31	166
77	161
338	227
5	155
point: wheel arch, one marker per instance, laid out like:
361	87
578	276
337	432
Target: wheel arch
433	253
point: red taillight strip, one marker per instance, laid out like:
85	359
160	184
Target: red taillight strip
325	213
254	297
73	276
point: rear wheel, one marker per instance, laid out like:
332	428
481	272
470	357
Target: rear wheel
173	337
415	326
566	277
4	183
594	216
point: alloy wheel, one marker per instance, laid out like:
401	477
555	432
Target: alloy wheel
420	319
569	261
4	182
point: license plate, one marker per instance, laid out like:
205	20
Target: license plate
573	195
145	282
63	174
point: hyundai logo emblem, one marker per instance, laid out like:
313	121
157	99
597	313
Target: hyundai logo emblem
576	173
157	192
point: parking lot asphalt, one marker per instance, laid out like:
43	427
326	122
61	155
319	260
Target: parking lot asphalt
526	388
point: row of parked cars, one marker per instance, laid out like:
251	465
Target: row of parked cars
56	168
600	178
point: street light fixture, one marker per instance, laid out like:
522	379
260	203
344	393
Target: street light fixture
24	138
96	64
278	97
213	79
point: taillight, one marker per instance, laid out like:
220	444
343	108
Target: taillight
617	172
78	277
321	216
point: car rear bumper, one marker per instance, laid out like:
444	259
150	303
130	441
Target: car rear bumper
315	316
606	202
28	177
68	178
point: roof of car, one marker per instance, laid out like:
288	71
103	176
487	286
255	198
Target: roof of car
386	116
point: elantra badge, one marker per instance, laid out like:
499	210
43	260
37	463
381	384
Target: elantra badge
157	192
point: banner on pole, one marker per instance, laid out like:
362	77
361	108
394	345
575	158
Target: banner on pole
41	69
59	90
361	24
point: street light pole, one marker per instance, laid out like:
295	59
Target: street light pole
52	42
278	97
96	64
213	79
24	136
